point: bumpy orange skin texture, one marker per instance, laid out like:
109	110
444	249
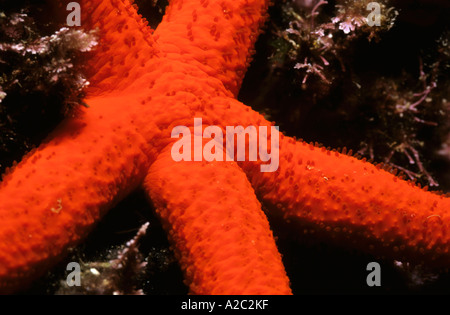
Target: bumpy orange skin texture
356	203
145	84
140	90
223	236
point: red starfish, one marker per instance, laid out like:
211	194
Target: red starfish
144	85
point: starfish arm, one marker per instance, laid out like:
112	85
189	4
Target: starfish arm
346	199
217	35
357	203
58	192
125	44
222	237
